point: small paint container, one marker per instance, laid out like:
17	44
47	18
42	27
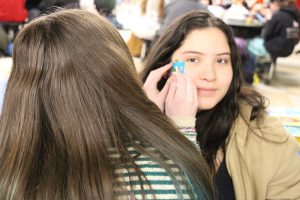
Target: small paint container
178	66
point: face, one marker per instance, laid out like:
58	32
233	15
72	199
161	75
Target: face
274	7
207	61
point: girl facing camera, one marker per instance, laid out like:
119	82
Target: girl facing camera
250	153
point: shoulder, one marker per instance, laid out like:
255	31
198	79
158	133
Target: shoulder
159	178
278	17
270	128
266	127
282	16
263	138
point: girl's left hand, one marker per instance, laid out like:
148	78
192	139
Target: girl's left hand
181	100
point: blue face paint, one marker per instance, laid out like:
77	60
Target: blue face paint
178	66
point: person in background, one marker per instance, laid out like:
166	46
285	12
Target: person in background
46	4
176	8
281	32
13	14
33	8
37	7
250	153
13	11
237	11
144	22
3	41
105	6
76	124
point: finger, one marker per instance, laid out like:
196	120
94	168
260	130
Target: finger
172	90
195	94
191	90
180	86
155	75
164	92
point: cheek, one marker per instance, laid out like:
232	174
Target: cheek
191	72
225	77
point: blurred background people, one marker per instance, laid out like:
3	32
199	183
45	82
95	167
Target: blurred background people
13	15
177	8
144	22
281	32
13	11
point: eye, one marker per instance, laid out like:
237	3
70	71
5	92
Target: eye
222	61
192	60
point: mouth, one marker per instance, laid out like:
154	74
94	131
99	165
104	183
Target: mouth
206	91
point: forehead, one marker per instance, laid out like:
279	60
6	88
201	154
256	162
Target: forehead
206	40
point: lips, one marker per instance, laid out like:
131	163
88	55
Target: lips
206	91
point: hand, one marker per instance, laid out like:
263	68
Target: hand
150	86
182	100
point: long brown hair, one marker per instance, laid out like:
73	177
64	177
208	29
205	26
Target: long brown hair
73	96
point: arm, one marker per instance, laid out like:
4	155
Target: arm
286	181
275	161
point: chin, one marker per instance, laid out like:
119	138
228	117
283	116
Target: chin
206	106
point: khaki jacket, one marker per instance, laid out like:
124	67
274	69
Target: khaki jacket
263	163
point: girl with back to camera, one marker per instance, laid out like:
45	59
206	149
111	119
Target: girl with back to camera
76	123
250	153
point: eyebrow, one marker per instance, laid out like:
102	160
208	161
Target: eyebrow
197	52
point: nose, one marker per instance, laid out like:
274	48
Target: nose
206	71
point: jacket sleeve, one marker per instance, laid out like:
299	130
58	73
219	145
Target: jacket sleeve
286	181
186	126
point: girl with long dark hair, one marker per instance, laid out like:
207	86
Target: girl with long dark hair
249	152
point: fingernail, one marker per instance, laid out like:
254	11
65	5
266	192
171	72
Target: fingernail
172	78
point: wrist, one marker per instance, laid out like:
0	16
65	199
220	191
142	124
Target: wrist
181	122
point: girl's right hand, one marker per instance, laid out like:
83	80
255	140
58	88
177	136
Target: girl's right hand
150	86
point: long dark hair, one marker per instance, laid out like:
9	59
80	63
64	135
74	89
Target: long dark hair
73	98
213	126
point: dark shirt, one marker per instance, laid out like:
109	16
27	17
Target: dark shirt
224	185
281	33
